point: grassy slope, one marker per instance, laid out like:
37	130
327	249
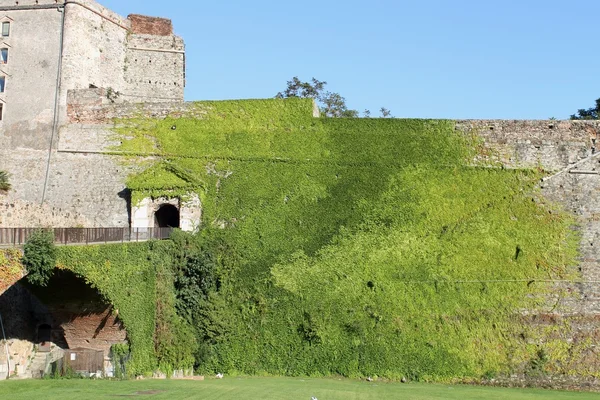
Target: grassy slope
266	389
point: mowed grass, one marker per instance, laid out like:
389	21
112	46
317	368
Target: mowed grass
265	389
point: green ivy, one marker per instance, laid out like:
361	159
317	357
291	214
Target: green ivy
351	246
137	278
125	276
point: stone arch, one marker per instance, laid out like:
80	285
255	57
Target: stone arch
148	213
167	216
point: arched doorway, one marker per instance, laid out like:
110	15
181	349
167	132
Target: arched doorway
44	338
167	216
44	334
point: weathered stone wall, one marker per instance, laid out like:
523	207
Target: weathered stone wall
578	190
29	3
132	60
31	77
19	213
135	59
82	188
552	145
93	107
94	49
569	149
155	68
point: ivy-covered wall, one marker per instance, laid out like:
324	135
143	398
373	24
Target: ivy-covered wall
11	268
137	279
355	246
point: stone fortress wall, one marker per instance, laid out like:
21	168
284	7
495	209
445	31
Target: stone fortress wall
60	46
115	67
65	85
570	149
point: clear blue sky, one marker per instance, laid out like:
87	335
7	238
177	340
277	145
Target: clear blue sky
509	59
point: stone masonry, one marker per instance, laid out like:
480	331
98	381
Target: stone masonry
74	66
56	47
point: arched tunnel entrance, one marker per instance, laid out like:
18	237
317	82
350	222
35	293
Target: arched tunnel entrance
167	216
66	314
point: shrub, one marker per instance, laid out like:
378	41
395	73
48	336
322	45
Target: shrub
4	184
120	353
39	257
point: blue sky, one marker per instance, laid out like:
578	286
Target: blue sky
509	59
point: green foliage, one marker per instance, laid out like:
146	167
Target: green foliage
4	183
11	268
175	340
590	113
125	275
60	373
330	104
39	257
137	278
120	354
351	246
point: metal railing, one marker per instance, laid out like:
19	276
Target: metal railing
72	236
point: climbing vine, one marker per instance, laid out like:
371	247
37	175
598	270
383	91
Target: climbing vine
136	278
350	246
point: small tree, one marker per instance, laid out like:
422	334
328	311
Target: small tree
39	257
330	104
4	184
385	113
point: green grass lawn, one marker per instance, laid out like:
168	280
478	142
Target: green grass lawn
265	389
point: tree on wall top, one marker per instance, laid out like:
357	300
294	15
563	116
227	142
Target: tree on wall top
331	104
590	113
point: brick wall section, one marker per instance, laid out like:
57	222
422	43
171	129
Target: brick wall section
141	24
97	330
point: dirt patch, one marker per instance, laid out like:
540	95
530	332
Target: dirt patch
141	393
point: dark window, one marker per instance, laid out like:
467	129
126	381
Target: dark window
1	111
6	29
2	83
3	56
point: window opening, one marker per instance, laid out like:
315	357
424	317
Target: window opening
1	111
6	29
3	56
2	83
